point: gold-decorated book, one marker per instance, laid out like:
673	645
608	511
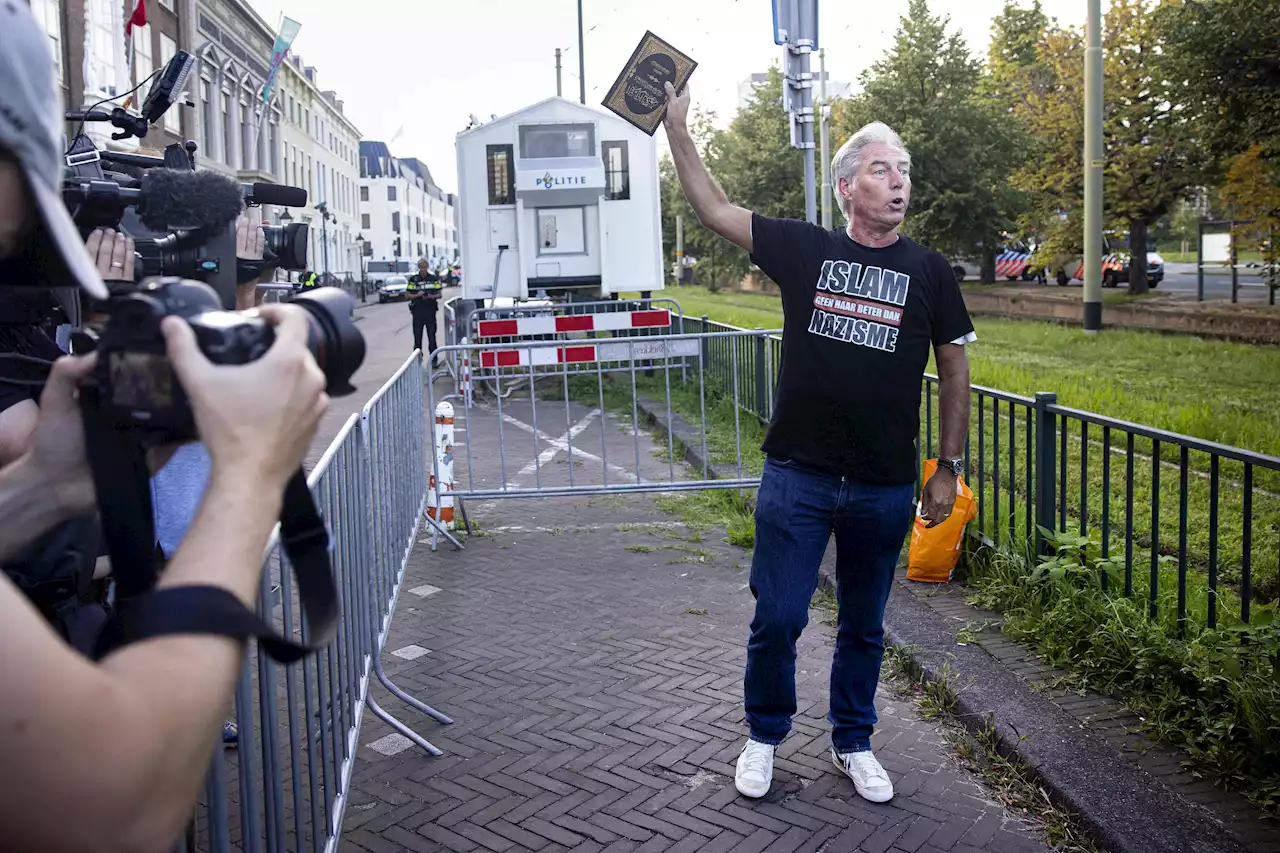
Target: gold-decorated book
638	95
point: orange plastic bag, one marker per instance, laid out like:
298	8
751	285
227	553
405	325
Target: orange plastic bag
935	551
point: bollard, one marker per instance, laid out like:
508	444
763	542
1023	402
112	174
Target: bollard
440	500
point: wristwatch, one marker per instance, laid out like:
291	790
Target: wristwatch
955	466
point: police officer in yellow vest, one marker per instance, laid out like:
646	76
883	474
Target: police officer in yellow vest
424	291
308	281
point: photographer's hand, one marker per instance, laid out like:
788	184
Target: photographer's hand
113	253
51	481
250	241
257	419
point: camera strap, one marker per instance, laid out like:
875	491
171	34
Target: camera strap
123	482
214	610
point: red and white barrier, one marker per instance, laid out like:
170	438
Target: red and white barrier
611	321
639	348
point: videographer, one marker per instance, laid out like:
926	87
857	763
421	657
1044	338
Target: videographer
126	740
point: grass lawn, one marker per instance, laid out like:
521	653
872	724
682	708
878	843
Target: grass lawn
1180	257
1224	392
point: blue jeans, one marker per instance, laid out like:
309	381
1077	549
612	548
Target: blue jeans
796	511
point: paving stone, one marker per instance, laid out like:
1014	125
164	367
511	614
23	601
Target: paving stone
595	711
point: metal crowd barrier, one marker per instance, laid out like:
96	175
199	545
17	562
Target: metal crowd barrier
285	785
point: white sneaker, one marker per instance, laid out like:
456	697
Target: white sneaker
869	778
755	769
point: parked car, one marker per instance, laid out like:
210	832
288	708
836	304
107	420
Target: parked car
1115	269
966	268
393	288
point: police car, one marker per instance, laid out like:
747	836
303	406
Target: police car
393	288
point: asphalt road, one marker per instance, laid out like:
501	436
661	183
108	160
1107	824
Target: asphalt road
388	336
1181	279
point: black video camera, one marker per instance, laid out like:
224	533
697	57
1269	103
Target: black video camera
181	220
134	387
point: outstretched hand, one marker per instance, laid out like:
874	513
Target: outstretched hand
677	116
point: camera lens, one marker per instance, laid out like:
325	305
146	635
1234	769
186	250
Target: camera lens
288	244
334	340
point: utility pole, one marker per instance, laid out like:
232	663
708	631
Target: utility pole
796	28
582	61
1093	159
824	116
559	92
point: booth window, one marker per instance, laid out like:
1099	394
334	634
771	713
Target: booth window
544	141
617	177
502	178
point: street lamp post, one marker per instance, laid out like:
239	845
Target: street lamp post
1093	160
324	235
360	249
285	219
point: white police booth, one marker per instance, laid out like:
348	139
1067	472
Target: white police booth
558	198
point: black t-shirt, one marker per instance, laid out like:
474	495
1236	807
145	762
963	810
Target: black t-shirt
859	325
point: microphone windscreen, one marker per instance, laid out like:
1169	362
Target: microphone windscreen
280	195
178	200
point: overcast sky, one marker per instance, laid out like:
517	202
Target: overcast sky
421	68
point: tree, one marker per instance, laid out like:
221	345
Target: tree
1015	69
1152	153
698	241
1052	178
756	166
1227	53
1015	73
926	88
1252	193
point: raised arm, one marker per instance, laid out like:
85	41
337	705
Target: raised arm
709	202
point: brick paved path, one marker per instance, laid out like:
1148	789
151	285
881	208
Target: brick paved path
591	651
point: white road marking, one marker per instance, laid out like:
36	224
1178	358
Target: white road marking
562	444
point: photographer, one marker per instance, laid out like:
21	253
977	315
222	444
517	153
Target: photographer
126	740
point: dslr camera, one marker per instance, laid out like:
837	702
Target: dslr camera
135	388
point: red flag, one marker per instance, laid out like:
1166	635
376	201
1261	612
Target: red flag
137	18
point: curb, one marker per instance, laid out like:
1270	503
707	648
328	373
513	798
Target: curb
1121	806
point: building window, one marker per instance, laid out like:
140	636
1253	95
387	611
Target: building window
168	4
502	177
248	150
229	132
395	222
557	140
141	56
49	15
274	143
172	119
617	175
206	121
104	20
364	193
391	196
364	221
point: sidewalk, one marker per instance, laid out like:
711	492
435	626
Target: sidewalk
591	651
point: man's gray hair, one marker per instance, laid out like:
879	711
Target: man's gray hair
847	160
